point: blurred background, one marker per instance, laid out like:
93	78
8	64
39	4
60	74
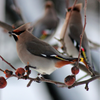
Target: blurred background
31	11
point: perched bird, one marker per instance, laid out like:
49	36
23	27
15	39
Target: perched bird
39	54
13	13
45	26
72	35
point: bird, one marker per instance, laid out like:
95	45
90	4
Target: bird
40	55
72	35
13	13
44	27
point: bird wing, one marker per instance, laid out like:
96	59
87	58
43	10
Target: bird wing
75	37
6	26
45	50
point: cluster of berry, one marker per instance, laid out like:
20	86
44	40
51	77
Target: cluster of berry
70	79
18	73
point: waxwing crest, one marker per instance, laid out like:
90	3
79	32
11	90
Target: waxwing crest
77	7
49	4
24	27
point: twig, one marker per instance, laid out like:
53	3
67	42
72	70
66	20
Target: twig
7	62
40	80
1	70
82	77
85	82
95	44
64	29
81	36
69	18
60	84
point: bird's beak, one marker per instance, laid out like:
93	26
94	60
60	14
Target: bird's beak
10	33
13	34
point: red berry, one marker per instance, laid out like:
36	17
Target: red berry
3	82
69	80
75	70
8	73
20	72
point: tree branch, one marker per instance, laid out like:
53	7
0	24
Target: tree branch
64	29
81	36
7	62
85	82
95	44
42	79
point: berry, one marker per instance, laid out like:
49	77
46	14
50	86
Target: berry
69	80
8	73
75	70
20	72
3	82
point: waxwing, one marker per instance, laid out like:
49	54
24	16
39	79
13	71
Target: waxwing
70	34
45	27
39	54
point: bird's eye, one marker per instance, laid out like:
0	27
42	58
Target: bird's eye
69	9
74	9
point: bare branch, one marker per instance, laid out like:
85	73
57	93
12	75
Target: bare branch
7	62
64	29
60	84
85	82
95	44
42	79
81	36
1	70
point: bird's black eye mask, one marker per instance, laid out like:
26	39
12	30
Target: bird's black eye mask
48	6
74	9
18	32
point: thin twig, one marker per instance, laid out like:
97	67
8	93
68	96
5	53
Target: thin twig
81	36
7	62
40	80
82	77
60	84
95	44
1	70
85	82
64	29
69	18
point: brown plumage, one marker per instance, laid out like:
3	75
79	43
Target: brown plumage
37	53
73	32
49	22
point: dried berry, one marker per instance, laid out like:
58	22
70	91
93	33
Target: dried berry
8	73
20	72
75	70
69	80
3	82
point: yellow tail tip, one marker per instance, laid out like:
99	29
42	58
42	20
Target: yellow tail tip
82	60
